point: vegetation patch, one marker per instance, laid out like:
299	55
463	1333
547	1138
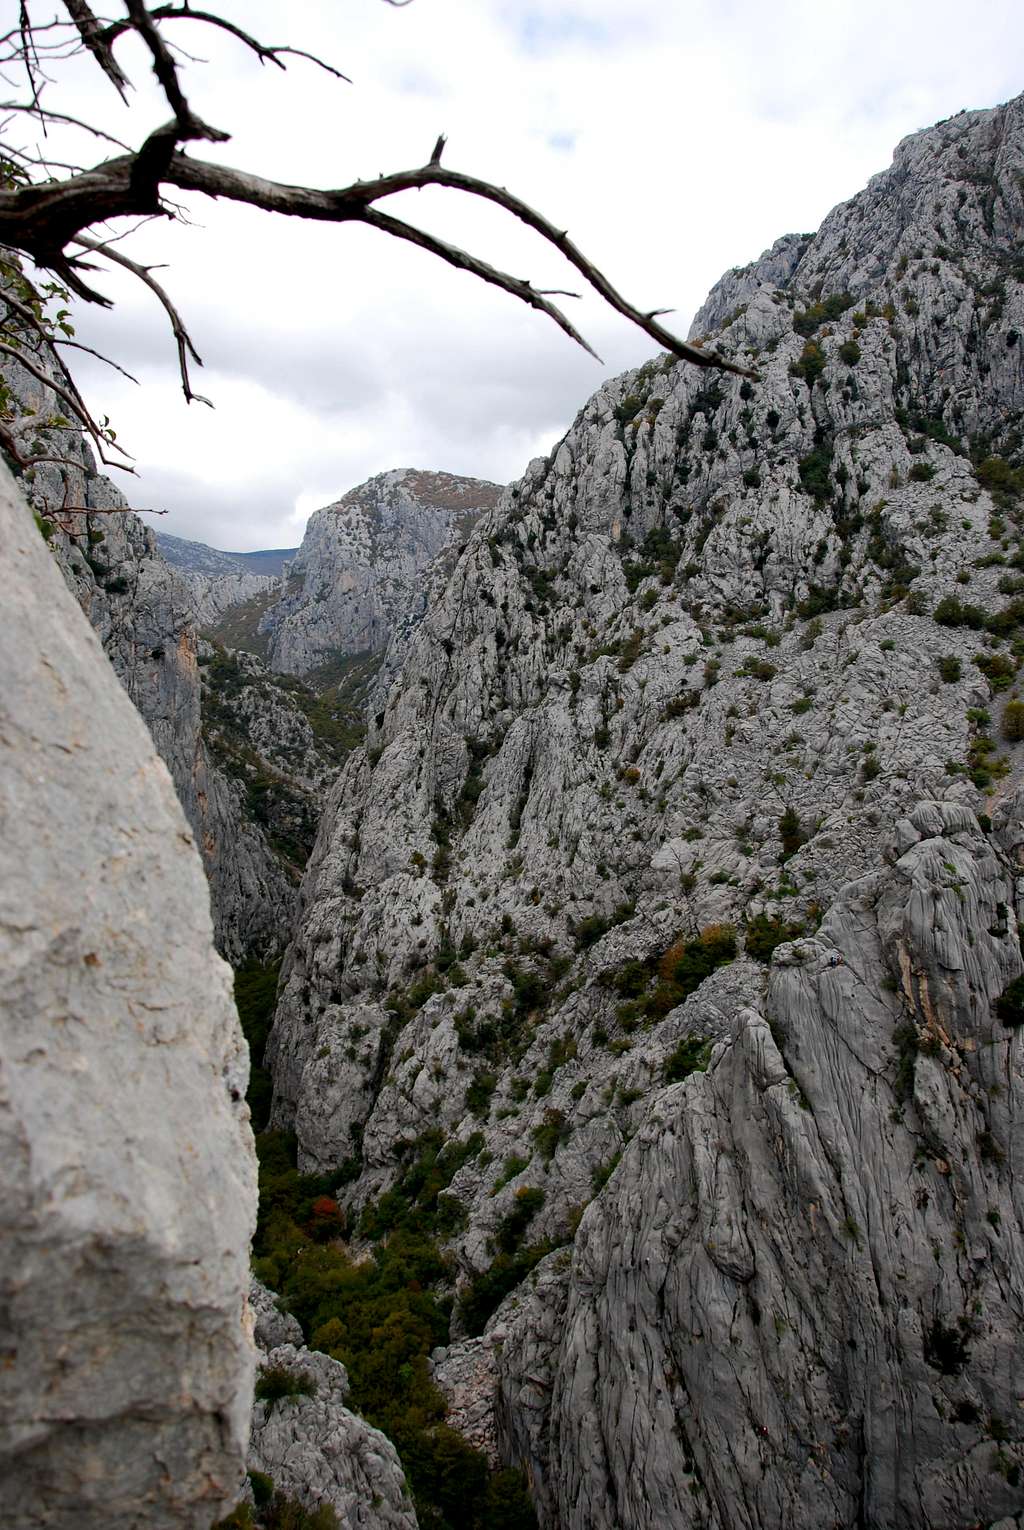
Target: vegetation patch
827	309
381	1316
655	986
277	1381
589	931
1010	1003
764	932
692	1055
255	999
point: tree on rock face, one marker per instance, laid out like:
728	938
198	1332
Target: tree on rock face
51	210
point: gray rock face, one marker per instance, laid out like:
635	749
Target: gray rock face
215	594
271	1326
316	1451
796	1303
129	1190
734	655
145	614
358	577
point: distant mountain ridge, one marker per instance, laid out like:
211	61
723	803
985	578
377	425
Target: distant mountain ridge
198	558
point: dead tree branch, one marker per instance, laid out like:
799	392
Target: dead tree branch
48	218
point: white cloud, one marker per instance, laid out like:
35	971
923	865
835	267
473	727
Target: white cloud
673	141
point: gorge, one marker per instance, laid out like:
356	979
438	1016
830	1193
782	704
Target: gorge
642	848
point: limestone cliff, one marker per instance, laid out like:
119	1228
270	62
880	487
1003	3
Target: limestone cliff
147	619
720	694
129	1177
358	578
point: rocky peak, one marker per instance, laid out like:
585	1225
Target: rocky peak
357	579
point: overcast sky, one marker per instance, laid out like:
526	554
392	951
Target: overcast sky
673	140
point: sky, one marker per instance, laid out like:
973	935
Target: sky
674	140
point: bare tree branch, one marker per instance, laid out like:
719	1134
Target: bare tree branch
91	34
182	337
48	206
40	218
266	53
466	262
34	108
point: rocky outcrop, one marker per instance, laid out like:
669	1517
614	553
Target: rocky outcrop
314	1450
670	703
145	614
798	1300
215	594
129	1175
358	577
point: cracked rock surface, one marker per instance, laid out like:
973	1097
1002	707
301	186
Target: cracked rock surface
735	661
129	1189
317	1451
358	578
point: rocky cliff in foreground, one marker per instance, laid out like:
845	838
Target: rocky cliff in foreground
253	814
671	913
129	1177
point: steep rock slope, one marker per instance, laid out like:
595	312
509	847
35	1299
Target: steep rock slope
317	1451
358	576
146	618
685	678
216	594
126	1380
145	615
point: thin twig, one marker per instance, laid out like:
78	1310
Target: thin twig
266	53
182	337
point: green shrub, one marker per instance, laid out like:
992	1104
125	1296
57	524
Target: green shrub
255	998
998	670
815	470
1010	1003
790	832
921	472
950	668
514	1164
1004	483
950	612
945	1348
808	319
276	1381
274	1511
603	1173
589	931
262	1488
478	1095
487	1291
507	1503
513	1225
549	1136
811	363
849	352
1013	722
690	1056
763	934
